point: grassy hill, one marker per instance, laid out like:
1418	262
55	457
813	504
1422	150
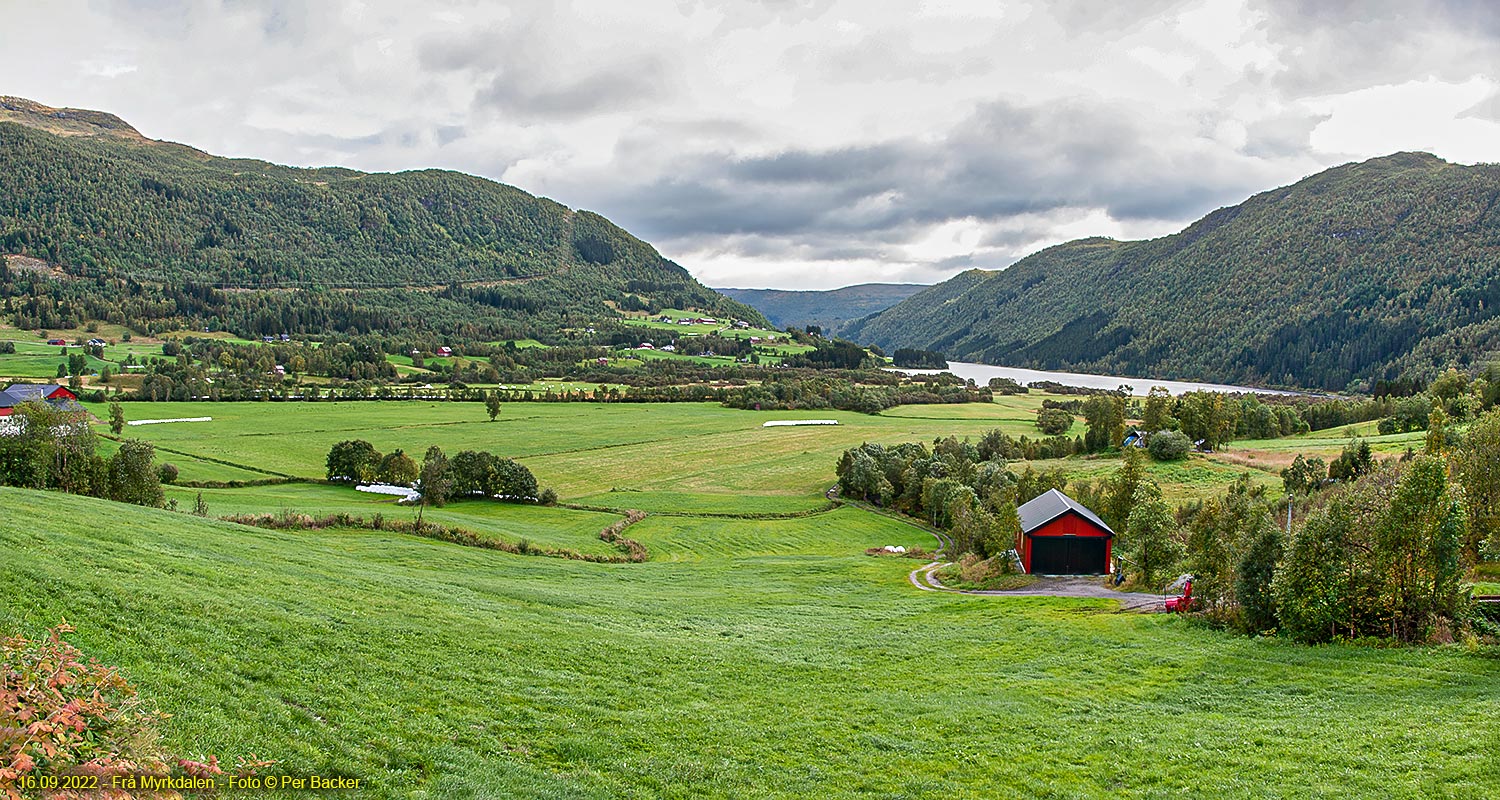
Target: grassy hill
148	230
1363	272
830	309
762	659
747	657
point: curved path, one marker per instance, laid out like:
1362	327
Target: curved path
923	578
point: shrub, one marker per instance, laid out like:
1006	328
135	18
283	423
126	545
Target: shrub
131	476
167	472
1151	538
1169	445
80	715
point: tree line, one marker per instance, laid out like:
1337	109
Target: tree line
439	479
1379	552
45	447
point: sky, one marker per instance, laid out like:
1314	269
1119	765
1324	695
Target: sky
798	145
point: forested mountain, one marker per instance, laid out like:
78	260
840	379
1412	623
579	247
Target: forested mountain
1364	272
829	310
160	230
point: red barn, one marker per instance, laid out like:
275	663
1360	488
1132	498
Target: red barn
1060	536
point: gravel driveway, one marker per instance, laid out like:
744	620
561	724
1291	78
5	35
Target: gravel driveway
1062	586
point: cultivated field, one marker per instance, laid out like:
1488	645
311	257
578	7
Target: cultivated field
691	457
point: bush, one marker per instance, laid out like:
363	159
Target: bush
1169	446
1380	559
548	498
81	715
132	477
167	473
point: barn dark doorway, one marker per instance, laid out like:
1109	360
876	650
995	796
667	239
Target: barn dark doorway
1067	555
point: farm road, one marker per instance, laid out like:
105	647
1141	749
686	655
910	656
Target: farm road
924	578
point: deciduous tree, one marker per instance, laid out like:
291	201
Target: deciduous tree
133	477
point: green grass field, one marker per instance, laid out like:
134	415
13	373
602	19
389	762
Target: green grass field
37	361
747	659
548	527
689	457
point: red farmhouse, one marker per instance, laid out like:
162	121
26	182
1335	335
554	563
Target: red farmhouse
1059	536
18	393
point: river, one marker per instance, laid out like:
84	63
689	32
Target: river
981	374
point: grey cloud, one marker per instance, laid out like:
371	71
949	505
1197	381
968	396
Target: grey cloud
1486	109
1003	161
742	14
1480	15
888	56
1336	47
520	74
1282	136
1091	16
621	86
1049	165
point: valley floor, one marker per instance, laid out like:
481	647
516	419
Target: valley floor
748	658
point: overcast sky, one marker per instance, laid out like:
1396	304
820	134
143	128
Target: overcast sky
798	144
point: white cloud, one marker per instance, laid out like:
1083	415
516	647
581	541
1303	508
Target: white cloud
1417	115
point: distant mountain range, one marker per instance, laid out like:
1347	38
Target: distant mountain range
1367	271
154	229
830	310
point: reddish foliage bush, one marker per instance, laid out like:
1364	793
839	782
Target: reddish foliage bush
63	713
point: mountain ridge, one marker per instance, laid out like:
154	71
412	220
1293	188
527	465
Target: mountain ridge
829	309
83	190
1347	277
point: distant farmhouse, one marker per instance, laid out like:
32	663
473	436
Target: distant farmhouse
18	393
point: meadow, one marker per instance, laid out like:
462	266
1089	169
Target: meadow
758	653
667	457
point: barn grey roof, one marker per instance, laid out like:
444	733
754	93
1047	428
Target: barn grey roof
1044	508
